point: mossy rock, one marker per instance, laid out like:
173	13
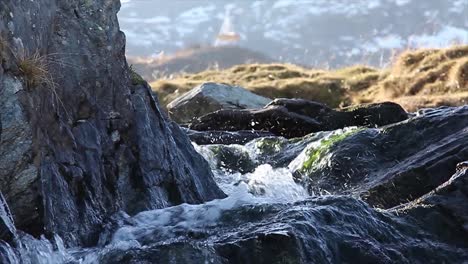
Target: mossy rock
135	77
314	155
270	146
233	159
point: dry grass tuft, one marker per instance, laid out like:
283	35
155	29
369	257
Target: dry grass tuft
35	70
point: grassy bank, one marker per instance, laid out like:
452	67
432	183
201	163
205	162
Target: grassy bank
417	78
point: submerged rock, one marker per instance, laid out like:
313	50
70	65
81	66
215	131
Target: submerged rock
210	97
299	117
82	136
232	159
329	229
391	165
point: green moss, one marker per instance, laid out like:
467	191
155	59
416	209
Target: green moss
233	159
216	149
135	77
315	154
269	145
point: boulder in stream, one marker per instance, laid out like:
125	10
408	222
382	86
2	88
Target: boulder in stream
328	229
298	117
391	165
209	97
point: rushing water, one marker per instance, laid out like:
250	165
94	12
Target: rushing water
265	185
265	212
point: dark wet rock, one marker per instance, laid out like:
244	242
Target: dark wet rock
18	175
391	165
177	252
224	137
299	117
8	234
378	114
7	226
210	97
330	229
276	120
232	159
444	211
87	139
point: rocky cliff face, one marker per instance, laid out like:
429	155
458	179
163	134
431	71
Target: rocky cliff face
80	138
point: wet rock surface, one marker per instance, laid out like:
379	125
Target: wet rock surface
443	211
19	179
298	117
7	227
8	234
210	97
391	165
329	229
80	138
224	137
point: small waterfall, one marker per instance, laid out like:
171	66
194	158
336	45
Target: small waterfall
265	183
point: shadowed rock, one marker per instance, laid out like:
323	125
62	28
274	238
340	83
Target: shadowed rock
298	117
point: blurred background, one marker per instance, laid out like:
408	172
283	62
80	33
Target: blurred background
313	33
339	52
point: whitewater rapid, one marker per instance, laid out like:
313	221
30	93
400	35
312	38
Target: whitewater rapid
265	185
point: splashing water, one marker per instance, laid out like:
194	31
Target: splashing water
264	185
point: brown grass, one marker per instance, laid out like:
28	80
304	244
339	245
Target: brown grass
33	67
425	77
3	48
417	78
277	80
35	70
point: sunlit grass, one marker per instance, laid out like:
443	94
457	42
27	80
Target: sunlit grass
424	74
